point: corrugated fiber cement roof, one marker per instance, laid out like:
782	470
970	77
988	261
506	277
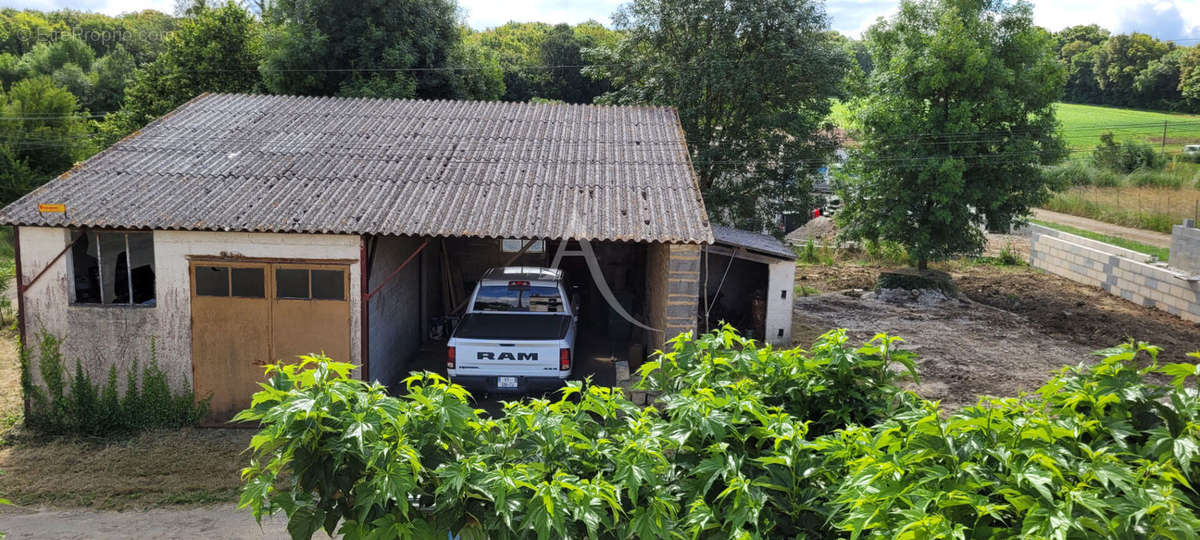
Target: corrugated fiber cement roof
380	166
762	243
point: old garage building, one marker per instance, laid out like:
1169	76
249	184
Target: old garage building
240	230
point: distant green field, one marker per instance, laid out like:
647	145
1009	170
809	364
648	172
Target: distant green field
1083	124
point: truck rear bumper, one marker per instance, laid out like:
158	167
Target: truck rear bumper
524	384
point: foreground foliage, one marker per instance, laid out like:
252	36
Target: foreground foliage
743	442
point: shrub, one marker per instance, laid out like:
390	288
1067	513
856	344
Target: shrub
83	408
1009	256
725	454
808	253
1076	173
1155	179
743	442
1097	452
1126	156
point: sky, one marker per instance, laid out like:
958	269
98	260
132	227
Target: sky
1165	19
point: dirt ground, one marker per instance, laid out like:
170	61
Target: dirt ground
1012	327
216	522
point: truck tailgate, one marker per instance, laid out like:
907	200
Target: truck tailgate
521	358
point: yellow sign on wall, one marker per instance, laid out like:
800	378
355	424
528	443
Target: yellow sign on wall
52	208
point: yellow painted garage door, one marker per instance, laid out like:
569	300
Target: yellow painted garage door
246	315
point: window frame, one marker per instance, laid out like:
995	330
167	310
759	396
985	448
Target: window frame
72	293
308	267
538	247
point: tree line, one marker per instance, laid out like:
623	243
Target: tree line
754	82
1128	70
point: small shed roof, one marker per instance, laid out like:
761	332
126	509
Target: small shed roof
253	163
764	244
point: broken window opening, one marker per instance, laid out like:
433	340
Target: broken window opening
114	268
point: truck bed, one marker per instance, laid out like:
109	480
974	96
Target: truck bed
515	327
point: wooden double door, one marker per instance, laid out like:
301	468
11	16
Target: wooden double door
247	315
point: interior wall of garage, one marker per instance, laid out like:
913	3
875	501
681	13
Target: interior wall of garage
104	336
395	313
737	293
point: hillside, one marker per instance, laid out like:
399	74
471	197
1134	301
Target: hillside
1083	124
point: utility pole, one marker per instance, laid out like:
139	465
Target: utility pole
1164	141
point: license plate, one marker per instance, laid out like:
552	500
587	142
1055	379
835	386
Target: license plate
506	382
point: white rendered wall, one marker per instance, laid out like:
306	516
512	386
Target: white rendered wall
780	291
103	336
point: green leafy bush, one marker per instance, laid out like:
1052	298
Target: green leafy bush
1126	156
716	460
72	404
1097	453
743	442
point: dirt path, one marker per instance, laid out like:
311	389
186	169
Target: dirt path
1152	238
213	522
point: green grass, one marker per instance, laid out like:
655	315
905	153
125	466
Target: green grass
1083	124
1162	253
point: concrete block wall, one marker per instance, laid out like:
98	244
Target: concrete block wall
1088	242
683	289
1185	247
1130	279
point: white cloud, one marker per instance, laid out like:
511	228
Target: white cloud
1156	17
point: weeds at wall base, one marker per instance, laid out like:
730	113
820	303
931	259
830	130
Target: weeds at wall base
71	404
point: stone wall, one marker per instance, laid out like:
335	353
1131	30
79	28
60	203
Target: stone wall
1133	280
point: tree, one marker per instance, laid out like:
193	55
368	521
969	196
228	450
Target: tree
561	52
40	135
1119	61
113	72
376	48
753	82
1089	34
480	75
1157	86
959	118
215	51
1082	86
1189	78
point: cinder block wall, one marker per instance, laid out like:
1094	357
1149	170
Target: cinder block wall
1088	242
1185	247
1130	279
683	287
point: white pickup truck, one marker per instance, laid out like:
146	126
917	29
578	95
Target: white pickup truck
517	335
